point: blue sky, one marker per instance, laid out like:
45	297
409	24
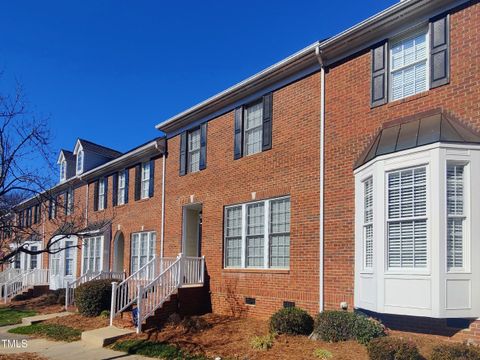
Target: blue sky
109	71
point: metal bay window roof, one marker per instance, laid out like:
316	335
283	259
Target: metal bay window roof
423	129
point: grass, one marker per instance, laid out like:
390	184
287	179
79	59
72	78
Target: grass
10	316
50	331
155	349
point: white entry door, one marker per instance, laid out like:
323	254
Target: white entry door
63	264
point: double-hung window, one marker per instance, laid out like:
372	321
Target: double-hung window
101	194
68	257
409	66
407	218
92	253
253	115
69	203
194	150
145	180
257	234
143	249
121	187
63	170
80	162
33	258
368	224
455	217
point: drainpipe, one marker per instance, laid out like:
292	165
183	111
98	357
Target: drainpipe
318	54
163	208
86	205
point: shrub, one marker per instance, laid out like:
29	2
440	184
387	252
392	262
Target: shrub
455	351
263	342
50	299
93	297
337	326
388	348
155	349
293	320
322	354
105	314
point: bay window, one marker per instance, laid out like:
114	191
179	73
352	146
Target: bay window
257	234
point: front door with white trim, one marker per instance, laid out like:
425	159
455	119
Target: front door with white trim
63	264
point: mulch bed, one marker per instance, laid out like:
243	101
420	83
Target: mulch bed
80	322
39	304
22	356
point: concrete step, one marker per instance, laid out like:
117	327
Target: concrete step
104	336
30	320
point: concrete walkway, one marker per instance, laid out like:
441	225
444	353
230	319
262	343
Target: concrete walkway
77	350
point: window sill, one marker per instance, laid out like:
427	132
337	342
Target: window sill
256	271
408	99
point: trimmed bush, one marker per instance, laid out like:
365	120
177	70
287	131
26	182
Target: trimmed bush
293	321
337	326
93	297
455	352
263	342
389	348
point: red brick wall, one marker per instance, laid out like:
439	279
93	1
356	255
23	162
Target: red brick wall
291	167
351	125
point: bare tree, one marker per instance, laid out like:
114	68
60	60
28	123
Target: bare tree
27	169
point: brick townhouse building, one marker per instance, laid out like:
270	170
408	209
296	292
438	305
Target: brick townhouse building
341	177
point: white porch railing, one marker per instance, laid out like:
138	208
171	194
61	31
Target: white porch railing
88	276
183	271
24	281
124	294
9	274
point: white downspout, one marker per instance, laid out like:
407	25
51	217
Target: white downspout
86	206
318	54
163	208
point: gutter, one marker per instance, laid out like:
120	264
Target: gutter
318	54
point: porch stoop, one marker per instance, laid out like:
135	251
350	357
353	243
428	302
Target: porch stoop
104	336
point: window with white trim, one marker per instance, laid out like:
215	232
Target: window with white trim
63	170
121	187
80	162
92	254
143	249
257	234
193	151
407	218
101	194
68	257
368	224
455	217
69	202
33	258
145	180
409	66
253	115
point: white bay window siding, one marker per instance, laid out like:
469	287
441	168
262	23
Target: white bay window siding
455	217
407	219
142	249
257	235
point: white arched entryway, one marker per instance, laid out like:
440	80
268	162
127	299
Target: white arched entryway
118	252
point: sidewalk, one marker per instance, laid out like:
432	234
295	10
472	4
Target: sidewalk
77	350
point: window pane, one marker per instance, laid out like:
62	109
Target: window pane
455	190
253	128
233	252
255	219
255	240
255	253
455	214
454	243
233	239
280	233
368	224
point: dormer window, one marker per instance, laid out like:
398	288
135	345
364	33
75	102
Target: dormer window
63	170
80	162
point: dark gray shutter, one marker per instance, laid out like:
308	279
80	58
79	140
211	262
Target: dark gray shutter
379	85
151	182
127	171
267	122
95	196
105	197
238	135
115	189
203	146
138	180
55	200
439	51
183	153
65	202
50	208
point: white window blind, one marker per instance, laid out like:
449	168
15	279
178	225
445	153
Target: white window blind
368	224
145	184
143	249
455	217
407	218
408	64
257	235
194	151
253	128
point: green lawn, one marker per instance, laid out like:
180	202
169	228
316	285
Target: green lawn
10	316
155	349
49	331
